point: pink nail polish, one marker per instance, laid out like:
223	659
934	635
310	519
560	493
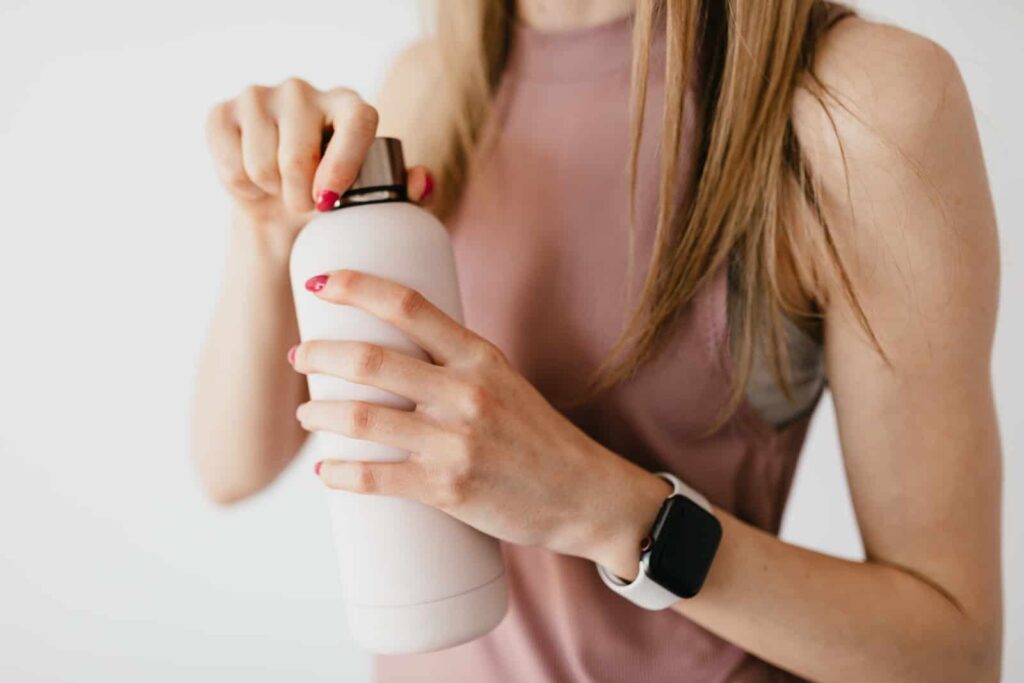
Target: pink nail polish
326	200
317	466
315	284
291	354
428	187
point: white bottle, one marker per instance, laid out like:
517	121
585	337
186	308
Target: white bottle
414	578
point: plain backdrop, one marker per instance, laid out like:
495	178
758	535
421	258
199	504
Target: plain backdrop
113	567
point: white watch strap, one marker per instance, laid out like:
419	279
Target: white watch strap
643	590
681	489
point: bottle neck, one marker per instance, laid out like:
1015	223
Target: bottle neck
372	195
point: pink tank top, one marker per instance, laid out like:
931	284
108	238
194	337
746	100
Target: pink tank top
541	243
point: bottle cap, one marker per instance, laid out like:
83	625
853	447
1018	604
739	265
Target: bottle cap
381	178
384	166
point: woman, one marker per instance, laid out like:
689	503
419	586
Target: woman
805	198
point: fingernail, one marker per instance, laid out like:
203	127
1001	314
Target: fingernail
315	284
326	200
317	466
428	187
291	354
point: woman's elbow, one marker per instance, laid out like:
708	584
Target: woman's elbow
222	479
225	494
972	652
984	654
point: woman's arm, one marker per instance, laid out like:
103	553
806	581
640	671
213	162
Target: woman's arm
266	146
242	433
919	434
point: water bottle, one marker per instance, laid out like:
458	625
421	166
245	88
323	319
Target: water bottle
414	578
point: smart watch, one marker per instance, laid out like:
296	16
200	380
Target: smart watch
677	552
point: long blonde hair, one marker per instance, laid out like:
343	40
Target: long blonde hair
751	179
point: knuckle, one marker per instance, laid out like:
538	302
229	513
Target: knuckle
488	355
408	303
294	87
365	117
300	161
354	113
360	419
479	401
464	447
265	174
368	361
238	181
345	281
266	181
218	116
343	92
364	479
253	96
454	487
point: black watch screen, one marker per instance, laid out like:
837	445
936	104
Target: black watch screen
683	541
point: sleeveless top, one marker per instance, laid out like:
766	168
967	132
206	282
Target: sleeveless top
541	243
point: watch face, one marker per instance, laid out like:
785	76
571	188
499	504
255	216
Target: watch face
686	537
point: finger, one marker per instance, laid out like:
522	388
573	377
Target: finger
259	140
224	139
403	429
403	479
375	365
354	124
407	309
420	184
299	125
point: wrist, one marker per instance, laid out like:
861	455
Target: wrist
266	240
631	510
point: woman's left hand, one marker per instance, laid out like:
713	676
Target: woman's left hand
485	446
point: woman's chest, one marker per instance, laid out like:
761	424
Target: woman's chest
542	243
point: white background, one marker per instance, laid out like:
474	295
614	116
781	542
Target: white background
112	565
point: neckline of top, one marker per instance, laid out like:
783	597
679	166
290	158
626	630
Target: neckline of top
575	54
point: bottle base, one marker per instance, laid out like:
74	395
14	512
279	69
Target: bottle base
429	626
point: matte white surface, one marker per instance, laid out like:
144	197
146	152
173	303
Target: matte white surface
112	566
410	568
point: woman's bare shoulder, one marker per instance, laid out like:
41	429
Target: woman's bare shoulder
894	144
889	78
409	87
882	82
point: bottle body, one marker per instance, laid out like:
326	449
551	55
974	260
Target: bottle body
414	578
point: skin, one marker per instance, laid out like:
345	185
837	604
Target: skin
912	218
265	145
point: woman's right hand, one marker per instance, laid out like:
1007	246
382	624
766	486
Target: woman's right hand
266	146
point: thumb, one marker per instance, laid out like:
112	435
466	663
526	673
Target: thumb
419	184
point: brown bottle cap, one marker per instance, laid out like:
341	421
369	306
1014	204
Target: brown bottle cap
383	167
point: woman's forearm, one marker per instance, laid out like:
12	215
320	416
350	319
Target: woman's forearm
243	426
830	619
481	430
268	148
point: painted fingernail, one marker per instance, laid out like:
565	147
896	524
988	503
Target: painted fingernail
326	200
291	354
315	284
317	466
428	187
